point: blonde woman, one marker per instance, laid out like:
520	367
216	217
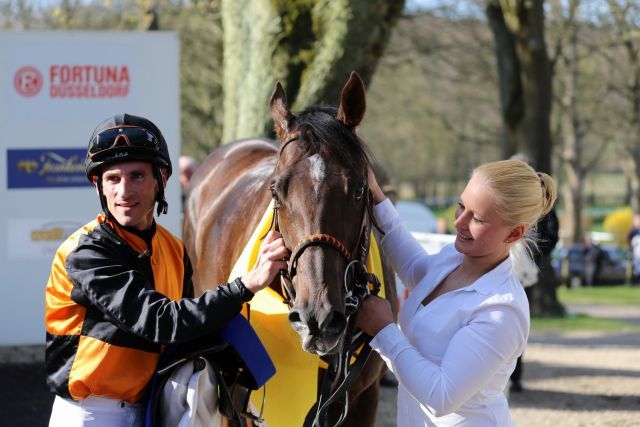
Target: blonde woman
466	320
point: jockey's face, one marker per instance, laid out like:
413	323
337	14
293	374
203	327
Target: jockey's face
130	189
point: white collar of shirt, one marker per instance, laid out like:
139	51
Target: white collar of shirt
486	284
448	259
440	265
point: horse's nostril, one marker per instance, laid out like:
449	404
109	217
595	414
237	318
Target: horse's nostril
300	323
335	322
294	317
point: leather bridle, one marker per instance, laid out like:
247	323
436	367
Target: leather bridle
341	374
356	285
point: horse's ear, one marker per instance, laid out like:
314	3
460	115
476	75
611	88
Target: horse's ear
352	102
280	113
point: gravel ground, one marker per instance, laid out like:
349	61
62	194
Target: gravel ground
571	379
577	384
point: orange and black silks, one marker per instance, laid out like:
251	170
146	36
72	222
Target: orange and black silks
113	301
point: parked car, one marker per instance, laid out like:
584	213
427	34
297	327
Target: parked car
569	264
416	216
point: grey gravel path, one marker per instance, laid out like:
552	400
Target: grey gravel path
577	379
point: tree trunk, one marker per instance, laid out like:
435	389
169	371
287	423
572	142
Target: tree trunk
572	196
572	140
631	168
634	148
524	75
509	83
311	47
536	82
624	16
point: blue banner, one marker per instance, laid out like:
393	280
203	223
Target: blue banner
46	167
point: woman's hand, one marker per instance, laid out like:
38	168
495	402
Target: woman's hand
272	258
378	194
374	315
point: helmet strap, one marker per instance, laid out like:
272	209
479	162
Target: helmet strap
163	206
103	199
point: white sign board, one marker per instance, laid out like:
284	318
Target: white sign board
55	87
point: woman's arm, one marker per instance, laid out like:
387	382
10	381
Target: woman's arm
407	256
474	355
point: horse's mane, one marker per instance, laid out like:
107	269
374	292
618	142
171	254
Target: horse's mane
318	124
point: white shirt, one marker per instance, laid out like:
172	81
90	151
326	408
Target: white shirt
452	357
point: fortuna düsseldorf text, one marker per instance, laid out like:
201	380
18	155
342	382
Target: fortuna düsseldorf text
88	81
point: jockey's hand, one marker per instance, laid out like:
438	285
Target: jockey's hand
374	315
271	259
378	194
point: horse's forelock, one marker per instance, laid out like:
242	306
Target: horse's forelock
318	124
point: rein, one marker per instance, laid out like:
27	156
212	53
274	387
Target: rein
340	374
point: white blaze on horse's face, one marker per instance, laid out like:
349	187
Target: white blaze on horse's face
317	171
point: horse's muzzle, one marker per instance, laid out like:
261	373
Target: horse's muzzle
320	332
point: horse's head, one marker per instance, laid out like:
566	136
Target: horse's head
320	189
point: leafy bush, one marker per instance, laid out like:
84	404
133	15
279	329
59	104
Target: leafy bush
618	223
449	215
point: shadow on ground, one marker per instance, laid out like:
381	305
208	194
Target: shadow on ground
629	340
545	399
546	371
25	400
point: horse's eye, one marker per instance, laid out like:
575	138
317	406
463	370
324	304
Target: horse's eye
359	192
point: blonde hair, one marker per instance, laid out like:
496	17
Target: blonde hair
521	195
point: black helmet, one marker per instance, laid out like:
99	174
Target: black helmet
124	138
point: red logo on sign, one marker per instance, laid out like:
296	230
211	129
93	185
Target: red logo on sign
28	81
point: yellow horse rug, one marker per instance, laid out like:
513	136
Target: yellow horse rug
293	390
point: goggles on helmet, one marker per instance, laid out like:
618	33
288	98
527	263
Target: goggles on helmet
120	136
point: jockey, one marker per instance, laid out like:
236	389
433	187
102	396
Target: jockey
120	287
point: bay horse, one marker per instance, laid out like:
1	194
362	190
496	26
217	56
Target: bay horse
316	175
